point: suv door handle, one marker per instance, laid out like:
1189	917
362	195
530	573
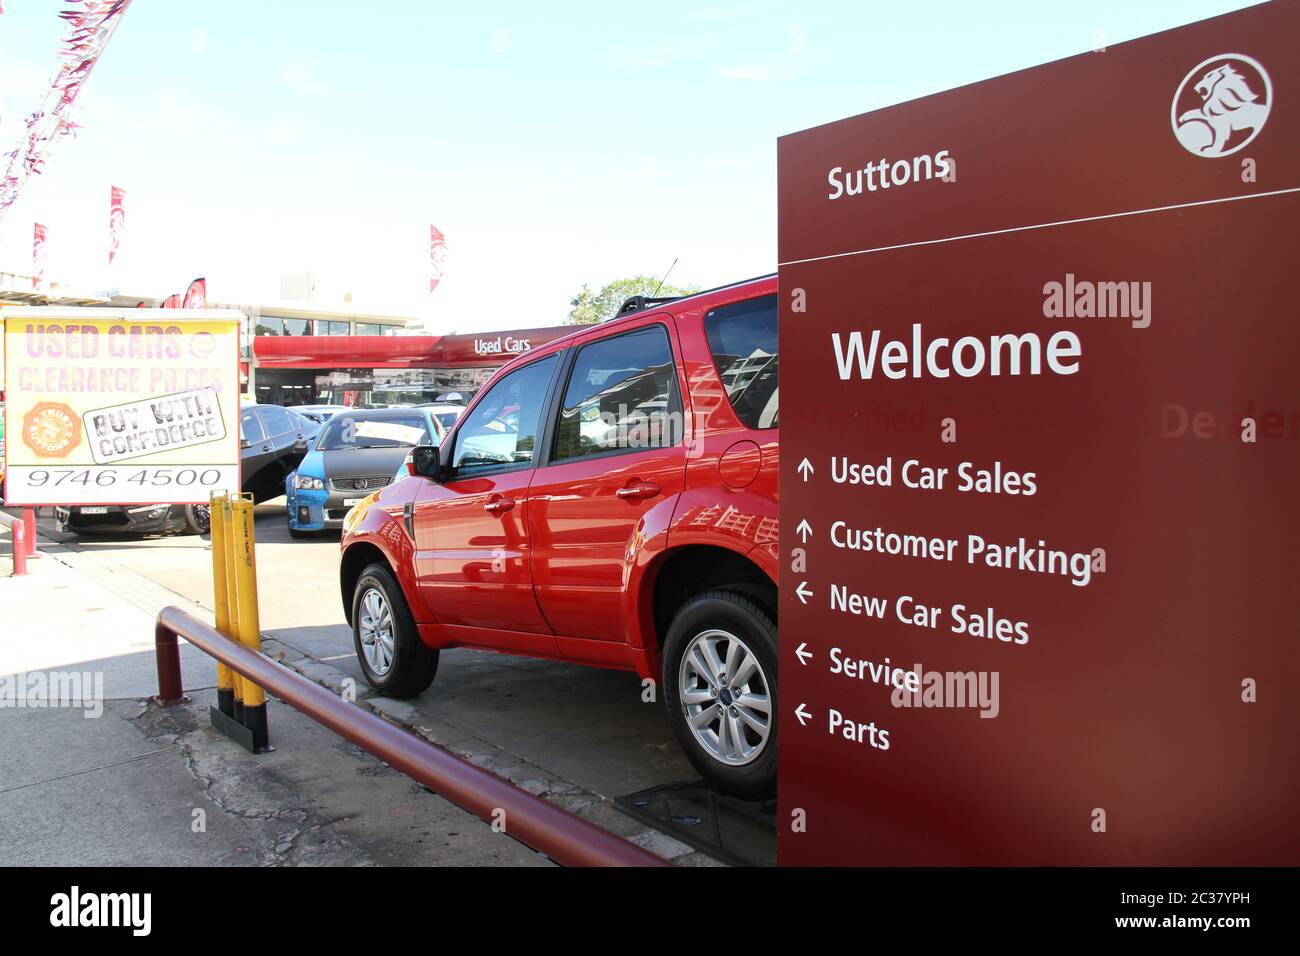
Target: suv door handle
497	505
638	490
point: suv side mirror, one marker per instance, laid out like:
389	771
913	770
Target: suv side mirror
424	461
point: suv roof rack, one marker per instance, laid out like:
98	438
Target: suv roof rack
638	302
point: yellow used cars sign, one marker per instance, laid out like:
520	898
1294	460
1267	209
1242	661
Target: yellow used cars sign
120	406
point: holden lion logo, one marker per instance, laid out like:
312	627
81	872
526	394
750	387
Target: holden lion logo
1218	101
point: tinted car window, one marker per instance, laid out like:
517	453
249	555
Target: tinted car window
622	395
274	419
502	427
250	429
742	337
362	431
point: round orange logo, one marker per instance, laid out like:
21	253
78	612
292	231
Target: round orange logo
51	430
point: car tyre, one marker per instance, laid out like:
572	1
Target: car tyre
727	729
393	659
198	519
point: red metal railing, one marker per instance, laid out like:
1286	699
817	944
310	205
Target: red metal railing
565	838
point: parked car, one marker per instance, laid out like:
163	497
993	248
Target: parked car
272	441
319	414
356	453
445	412
161	518
610	499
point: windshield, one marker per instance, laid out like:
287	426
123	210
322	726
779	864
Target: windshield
358	431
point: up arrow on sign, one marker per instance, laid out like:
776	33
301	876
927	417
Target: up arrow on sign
803	713
805	468
804	530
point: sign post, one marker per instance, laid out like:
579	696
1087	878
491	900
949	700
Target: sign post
1041	435
112	407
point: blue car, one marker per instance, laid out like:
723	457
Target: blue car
358	452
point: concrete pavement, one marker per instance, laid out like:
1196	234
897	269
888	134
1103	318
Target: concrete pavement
108	778
575	735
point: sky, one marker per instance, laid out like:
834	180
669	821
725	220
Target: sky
553	144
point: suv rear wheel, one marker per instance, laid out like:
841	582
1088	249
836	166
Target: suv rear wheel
393	658
720	690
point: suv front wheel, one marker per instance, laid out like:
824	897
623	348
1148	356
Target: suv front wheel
720	690
393	659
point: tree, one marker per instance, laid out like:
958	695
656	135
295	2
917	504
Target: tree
589	306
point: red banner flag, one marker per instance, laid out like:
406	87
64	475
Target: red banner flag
171	302
116	220
38	255
437	256
88	31
196	296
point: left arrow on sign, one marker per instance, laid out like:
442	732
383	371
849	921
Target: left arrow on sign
802	592
803	713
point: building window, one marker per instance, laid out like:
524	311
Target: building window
369	328
330	327
267	325
297	326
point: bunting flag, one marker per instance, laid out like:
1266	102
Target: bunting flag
89	28
437	256
116	220
38	255
196	296
171	302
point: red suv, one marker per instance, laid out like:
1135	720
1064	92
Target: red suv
608	499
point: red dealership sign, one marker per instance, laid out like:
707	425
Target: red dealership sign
479	350
1041	435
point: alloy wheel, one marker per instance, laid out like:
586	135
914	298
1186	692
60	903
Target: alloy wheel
725	696
375	626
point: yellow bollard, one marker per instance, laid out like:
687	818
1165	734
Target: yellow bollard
220	605
250	631
232	597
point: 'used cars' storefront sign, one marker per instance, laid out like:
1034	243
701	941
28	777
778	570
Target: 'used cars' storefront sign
1040	445
120	406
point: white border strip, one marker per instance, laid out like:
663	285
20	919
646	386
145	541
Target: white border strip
1041	225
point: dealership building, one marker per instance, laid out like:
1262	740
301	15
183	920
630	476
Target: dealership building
364	366
304	353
